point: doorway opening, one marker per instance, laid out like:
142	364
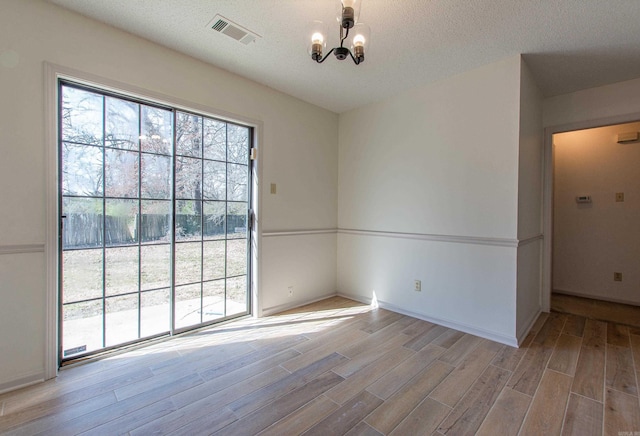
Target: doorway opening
595	270
155	220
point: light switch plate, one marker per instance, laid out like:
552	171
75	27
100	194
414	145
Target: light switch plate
273	188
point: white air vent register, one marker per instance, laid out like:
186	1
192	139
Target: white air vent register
227	27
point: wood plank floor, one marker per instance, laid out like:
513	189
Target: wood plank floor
338	367
596	309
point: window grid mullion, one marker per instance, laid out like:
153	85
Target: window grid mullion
104	227
172	292
201	219
139	223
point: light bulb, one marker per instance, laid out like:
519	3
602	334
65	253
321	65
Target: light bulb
317	38
317	32
359	40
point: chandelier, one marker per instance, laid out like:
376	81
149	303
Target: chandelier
355	34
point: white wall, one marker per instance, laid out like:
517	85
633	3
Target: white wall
591	241
530	159
436	170
303	268
298	152
22	313
437	160
608	101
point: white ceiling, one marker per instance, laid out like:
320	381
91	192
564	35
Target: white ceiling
568	44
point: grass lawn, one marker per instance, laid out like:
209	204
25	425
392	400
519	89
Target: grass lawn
206	289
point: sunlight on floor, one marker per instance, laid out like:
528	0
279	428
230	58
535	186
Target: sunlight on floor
255	331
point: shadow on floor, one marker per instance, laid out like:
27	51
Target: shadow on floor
596	309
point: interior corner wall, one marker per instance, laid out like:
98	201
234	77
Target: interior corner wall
298	151
530	158
429	191
594	240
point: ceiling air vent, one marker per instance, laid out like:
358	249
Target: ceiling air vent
226	26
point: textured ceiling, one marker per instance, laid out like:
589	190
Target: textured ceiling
568	44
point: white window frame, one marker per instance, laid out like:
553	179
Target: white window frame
52	74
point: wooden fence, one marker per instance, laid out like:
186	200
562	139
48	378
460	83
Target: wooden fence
86	229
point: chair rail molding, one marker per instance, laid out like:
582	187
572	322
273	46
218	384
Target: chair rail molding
21	248
276	233
478	240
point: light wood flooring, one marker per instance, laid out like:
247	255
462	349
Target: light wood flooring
339	367
596	309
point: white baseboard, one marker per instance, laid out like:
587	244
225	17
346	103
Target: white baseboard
282	307
527	327
492	336
22	382
596	297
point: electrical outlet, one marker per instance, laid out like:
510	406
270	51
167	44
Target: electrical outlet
273	188
617	276
290	291
619	196
417	285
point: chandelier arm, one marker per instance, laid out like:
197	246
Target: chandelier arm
326	56
346	35
355	61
